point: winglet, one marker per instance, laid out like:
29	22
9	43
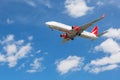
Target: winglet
103	16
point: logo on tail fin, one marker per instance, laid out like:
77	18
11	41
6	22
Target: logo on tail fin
95	30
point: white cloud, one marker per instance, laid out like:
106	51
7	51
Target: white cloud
23	51
36	66
77	8
100	3
31	3
97	69
113	33
13	50
20	42
71	63
9	38
115	3
108	62
10	49
35	3
30	38
108	46
2	58
113	59
38	51
21	66
9	21
46	3
110	2
12	61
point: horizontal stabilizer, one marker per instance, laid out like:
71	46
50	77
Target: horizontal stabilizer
102	33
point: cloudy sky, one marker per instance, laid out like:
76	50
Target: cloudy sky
29	50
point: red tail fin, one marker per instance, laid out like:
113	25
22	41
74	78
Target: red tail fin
95	30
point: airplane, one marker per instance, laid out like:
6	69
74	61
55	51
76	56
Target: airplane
73	31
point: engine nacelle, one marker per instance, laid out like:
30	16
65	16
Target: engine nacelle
76	28
63	36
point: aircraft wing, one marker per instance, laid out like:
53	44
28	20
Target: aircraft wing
86	26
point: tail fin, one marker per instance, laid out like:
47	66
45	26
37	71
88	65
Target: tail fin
95	30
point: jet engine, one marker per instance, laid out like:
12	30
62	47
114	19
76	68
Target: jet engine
76	28
63	36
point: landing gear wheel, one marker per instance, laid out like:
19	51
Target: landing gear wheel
72	38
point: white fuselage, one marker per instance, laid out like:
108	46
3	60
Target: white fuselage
67	28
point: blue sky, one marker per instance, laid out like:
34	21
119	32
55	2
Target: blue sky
29	50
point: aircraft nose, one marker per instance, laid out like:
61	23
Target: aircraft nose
47	23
